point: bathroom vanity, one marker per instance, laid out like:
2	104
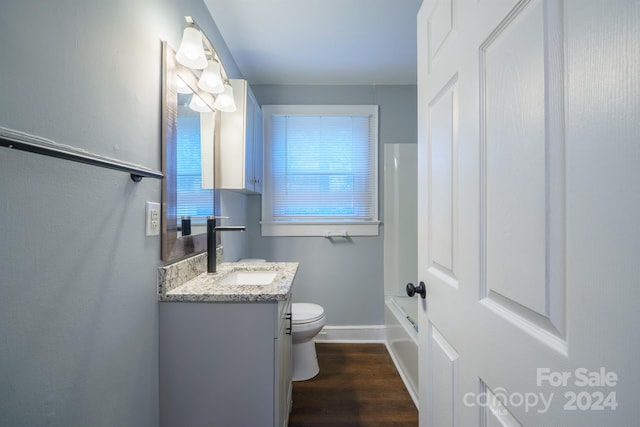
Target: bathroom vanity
225	347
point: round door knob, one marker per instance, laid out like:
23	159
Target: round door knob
420	289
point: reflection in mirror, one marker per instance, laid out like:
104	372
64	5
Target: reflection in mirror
188	132
194	189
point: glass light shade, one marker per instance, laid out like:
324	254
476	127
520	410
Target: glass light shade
224	101
211	80
197	104
191	53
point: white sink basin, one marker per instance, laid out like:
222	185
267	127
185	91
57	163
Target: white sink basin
249	278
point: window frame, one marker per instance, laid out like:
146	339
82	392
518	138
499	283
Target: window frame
315	227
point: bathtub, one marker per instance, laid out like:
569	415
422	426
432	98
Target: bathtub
401	327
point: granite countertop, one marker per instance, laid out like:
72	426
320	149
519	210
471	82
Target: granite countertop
206	287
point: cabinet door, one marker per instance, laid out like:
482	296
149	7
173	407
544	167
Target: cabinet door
230	155
283	368
238	159
250	112
257	149
215	364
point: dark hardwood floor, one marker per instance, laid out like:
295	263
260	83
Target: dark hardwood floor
358	385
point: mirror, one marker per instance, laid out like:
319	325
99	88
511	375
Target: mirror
188	134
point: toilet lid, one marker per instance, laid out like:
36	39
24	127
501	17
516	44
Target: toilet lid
302	312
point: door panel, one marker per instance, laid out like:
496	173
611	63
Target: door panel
520	136
514	145
439	26
442	398
494	413
442	200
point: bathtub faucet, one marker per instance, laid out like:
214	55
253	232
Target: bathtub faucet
212	229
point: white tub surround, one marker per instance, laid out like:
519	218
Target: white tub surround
401	261
402	340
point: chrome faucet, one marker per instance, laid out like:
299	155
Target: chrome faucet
212	229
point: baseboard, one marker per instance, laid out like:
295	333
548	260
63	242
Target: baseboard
352	333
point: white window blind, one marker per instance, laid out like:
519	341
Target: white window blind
320	170
192	199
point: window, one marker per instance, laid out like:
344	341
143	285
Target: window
192	199
321	170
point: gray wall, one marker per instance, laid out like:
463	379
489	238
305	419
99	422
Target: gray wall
345	277
234	206
78	305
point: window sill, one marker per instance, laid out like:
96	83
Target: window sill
332	229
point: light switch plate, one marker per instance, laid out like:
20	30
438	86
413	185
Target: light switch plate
152	212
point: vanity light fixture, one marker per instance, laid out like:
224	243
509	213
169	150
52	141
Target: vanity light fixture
224	101
213	78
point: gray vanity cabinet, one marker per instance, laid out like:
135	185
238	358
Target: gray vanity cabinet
225	364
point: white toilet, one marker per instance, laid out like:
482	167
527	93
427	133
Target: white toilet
307	320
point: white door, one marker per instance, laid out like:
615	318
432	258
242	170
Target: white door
529	212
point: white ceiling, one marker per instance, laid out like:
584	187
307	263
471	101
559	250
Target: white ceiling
320	41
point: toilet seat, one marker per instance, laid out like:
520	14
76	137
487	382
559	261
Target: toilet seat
302	313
